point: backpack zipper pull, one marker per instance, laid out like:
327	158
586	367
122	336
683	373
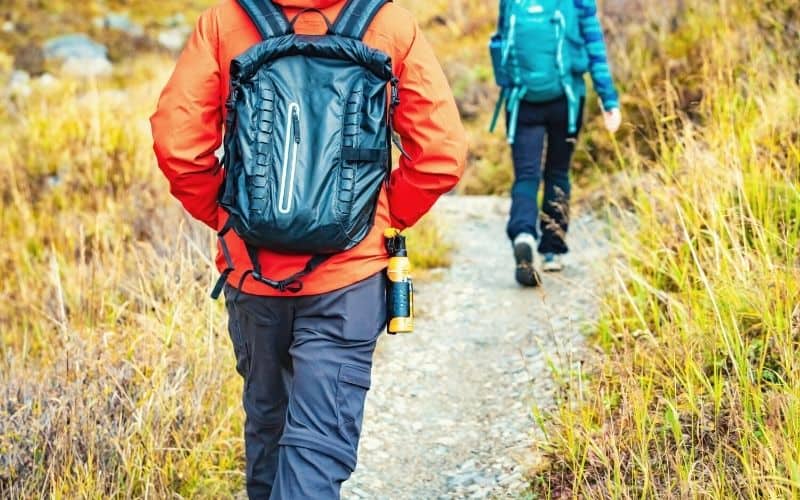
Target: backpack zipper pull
230	106
296	125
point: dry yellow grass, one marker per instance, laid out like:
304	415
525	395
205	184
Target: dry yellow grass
115	369
116	374
698	393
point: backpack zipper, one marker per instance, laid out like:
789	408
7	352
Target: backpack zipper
296	124
292	141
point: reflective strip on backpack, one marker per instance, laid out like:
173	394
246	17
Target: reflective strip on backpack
509	40
561	35
500	101
572	99
292	140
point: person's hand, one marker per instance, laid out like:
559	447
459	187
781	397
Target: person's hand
612	119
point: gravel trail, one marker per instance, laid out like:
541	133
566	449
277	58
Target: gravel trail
449	413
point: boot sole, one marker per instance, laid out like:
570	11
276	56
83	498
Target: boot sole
552	269
526	274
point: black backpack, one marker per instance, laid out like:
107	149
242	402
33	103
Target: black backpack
307	139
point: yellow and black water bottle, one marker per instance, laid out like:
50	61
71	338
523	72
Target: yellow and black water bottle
400	289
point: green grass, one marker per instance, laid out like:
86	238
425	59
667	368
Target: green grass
698	393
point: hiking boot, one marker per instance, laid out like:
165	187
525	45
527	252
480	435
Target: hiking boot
528	260
553	263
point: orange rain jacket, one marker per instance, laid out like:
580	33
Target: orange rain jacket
187	130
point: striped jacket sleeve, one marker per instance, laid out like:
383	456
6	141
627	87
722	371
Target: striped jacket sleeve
592	34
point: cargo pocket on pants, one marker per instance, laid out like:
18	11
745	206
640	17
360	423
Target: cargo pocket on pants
354	382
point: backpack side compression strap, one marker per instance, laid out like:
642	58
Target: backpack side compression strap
502	16
291	284
356	16
228	260
268	17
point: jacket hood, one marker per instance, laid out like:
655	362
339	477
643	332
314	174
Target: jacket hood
307	4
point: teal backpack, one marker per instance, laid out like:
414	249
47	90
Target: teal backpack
537	52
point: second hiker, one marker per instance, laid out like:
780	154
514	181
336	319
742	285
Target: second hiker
540	53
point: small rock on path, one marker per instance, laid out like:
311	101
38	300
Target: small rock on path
449	414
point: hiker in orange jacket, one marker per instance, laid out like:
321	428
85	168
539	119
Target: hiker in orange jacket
305	355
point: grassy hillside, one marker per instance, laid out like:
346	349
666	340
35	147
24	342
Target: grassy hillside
116	373
113	384
113	362
698	391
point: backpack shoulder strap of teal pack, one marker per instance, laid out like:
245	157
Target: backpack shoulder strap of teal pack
566	74
502	16
511	97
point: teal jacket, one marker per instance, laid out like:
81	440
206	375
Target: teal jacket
591	33
598	59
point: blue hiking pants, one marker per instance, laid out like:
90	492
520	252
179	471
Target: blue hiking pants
542	132
306	364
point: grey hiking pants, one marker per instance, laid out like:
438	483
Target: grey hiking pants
306	364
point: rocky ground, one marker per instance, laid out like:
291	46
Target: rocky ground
450	411
109	40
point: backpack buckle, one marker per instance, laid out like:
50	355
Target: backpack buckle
290	285
233	97
395	92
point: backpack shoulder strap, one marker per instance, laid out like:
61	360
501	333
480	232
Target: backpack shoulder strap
502	16
356	16
268	17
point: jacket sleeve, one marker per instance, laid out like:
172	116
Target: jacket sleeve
187	125
592	34
432	135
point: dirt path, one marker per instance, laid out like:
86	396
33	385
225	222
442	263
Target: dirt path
449	415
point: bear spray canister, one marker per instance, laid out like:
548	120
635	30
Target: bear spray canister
400	289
